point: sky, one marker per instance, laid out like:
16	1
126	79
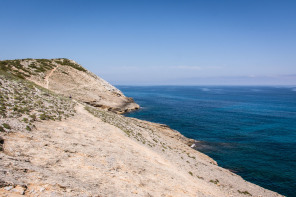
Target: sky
158	42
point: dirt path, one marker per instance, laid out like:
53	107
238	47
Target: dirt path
47	77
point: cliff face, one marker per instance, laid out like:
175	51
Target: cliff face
70	79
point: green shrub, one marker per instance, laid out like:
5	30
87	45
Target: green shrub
215	181
244	192
67	62
6	126
1	129
42	117
34	117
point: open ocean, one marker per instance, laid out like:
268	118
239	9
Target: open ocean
250	130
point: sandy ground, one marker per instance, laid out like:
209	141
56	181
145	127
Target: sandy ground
84	156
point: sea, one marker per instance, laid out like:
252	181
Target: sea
249	130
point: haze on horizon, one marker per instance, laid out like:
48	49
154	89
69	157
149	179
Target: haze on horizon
209	42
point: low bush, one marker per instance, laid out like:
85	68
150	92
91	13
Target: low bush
6	126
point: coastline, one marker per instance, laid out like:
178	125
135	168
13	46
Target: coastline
187	143
72	149
193	144
124	156
236	126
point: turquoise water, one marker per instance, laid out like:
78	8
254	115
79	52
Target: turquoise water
250	130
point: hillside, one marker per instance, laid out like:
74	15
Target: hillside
51	145
70	79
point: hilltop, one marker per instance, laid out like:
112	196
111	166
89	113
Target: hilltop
68	78
53	145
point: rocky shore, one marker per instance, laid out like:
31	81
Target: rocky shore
53	145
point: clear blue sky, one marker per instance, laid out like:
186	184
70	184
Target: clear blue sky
138	42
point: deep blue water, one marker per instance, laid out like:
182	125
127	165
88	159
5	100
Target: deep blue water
250	130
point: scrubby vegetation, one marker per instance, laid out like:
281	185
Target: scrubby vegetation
131	127
67	62
216	181
244	192
24	68
23	102
6	126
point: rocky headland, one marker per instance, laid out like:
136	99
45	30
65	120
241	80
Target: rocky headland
61	134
